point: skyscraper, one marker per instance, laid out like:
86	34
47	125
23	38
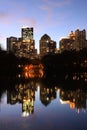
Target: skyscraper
23	46
27	33
47	45
11	41
75	41
80	39
28	43
66	44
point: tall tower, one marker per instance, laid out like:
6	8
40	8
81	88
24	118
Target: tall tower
46	45
45	39
72	35
27	33
28	43
80	39
11	41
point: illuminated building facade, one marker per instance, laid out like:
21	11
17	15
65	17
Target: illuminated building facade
24	46
33	71
27	33
27	47
47	45
80	39
66	44
75	41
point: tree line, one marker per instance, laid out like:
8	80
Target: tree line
59	64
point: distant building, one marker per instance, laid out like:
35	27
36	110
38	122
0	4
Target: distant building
23	46
28	43
80	39
75	41
66	44
46	45
72	35
11	41
27	33
86	44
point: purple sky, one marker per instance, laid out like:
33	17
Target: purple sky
57	18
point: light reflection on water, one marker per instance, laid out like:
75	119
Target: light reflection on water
34	106
39	103
4	98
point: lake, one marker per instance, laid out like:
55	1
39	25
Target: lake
33	105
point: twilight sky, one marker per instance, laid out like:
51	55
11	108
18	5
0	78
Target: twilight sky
57	18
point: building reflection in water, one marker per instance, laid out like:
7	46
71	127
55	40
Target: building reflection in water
75	99
80	76
47	95
24	93
26	96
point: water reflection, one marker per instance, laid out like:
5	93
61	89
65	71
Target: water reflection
43	103
24	94
75	99
47	95
23	91
80	76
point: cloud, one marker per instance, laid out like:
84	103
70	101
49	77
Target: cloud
2	14
28	21
51	9
10	11
5	18
57	3
49	5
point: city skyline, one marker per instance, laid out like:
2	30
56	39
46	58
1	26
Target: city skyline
56	18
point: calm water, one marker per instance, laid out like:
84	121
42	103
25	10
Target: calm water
34	106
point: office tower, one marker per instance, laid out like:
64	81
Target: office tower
46	45
23	46
11	41
66	44
80	39
75	41
28	43
27	33
72	35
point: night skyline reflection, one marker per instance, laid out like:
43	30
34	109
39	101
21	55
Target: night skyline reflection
24	94
34	103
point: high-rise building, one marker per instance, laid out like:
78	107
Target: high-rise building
46	45
28	43
80	39
75	41
27	33
23	46
11	41
72	35
66	44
